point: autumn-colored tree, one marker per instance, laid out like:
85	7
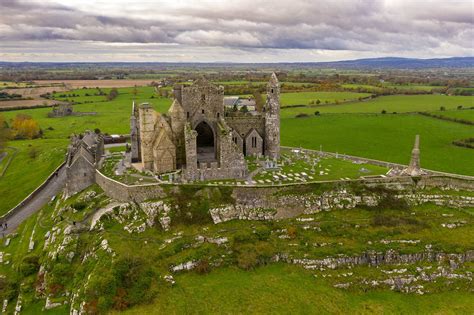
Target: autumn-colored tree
25	127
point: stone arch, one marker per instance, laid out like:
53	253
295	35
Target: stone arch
205	142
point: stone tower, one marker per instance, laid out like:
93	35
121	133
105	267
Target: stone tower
272	118
414	168
147	131
135	134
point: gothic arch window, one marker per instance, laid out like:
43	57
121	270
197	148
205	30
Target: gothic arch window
272	90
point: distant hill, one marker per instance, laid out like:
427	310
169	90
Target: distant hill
401	63
369	63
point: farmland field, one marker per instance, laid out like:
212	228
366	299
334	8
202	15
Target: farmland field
467	114
384	137
28	103
391	103
98	83
304	98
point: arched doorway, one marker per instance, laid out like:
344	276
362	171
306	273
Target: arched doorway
205	143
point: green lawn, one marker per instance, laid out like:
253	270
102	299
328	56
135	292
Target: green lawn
304	98
25	173
384	137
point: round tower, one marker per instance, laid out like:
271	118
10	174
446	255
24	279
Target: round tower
272	118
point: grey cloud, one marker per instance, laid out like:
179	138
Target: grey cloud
356	25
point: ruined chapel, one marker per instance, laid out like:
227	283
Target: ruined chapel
200	137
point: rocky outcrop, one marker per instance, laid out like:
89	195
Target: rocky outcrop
377	258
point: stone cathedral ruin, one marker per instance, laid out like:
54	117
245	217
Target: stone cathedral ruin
203	138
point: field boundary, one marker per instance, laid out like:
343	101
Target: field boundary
446	118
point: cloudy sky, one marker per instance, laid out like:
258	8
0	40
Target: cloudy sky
233	30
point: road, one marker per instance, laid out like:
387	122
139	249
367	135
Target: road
51	189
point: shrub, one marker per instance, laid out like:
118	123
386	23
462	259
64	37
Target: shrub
460	107
247	259
33	152
390	202
29	265
79	205
292	231
384	111
262	233
442	108
301	115
317	113
243	237
8	288
203	266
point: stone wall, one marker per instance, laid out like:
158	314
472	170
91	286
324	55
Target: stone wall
256	203
122	192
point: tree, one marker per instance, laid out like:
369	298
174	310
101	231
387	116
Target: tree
112	94
135	91
25	127
259	102
244	109
3	132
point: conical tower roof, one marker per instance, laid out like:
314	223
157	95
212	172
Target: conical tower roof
273	79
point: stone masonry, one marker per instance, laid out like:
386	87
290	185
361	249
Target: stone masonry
202	139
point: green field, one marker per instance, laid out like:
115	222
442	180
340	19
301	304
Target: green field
304	98
112	116
467	114
402	88
391	103
384	137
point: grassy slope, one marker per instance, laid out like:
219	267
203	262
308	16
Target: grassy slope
282	289
24	173
384	137
229	290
